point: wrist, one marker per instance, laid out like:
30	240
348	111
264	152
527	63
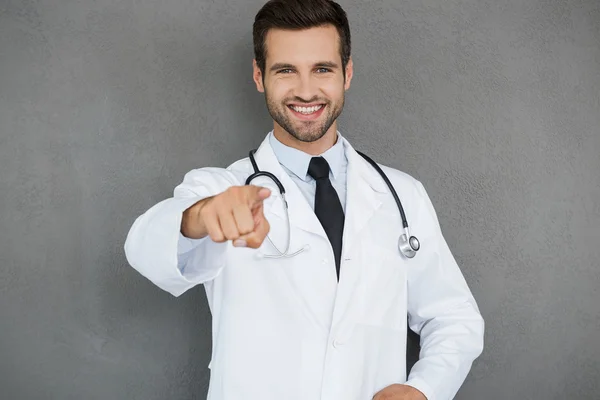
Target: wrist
192	225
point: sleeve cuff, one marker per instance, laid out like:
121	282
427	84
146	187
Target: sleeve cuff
186	244
421	386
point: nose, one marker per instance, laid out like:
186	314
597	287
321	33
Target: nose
306	89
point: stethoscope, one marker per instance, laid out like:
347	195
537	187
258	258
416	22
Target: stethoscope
407	244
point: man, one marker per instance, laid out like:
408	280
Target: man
318	311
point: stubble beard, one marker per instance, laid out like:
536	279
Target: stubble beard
304	131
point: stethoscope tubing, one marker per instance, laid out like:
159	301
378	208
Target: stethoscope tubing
411	244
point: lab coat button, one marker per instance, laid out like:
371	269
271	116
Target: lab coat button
337	343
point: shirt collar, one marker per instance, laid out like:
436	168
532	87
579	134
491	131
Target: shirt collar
297	161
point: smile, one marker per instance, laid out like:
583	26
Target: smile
307	110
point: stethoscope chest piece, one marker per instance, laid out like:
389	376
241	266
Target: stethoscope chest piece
408	245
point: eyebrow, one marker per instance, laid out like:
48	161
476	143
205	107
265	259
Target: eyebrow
321	64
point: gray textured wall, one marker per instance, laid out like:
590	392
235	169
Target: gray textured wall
104	105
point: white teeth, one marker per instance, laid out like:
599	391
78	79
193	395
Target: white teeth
306	110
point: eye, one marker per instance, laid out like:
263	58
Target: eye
284	71
323	70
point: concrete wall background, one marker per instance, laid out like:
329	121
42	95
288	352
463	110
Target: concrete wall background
104	105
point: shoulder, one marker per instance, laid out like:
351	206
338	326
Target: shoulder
412	193
401	179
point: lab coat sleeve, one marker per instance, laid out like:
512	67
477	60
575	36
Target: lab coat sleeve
442	310
156	248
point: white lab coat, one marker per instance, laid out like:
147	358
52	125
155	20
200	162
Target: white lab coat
285	328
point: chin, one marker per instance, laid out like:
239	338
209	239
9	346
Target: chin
308	137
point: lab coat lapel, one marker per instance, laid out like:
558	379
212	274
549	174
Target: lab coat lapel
365	191
301	213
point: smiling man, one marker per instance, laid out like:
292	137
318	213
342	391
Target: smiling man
308	71
304	81
321	309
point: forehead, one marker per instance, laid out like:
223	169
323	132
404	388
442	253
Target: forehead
303	46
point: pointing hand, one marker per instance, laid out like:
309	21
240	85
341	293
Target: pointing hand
235	214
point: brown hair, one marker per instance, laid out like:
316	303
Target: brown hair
298	15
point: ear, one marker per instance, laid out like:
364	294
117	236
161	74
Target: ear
257	76
349	73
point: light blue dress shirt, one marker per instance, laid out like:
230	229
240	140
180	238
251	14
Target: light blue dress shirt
295	163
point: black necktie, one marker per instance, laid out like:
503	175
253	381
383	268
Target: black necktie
328	207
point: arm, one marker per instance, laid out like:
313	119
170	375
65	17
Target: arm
442	311
157	249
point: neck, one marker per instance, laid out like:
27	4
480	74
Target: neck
313	148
